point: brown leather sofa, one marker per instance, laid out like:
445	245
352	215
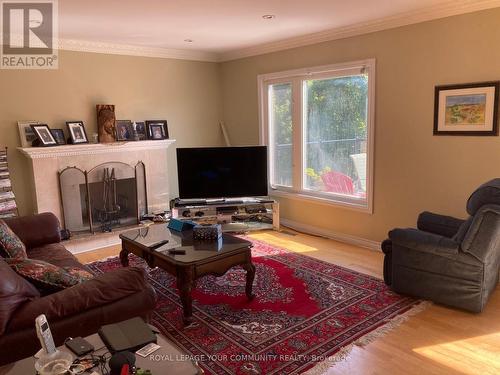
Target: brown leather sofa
76	311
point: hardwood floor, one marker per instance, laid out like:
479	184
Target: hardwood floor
437	340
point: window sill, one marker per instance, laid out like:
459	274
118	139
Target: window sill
364	207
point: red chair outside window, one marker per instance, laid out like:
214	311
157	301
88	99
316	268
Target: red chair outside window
336	182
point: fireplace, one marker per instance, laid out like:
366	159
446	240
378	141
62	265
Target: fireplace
108	196
46	164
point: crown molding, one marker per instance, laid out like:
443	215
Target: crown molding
133	50
451	8
123	49
94	148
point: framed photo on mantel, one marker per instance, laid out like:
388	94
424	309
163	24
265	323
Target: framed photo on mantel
58	135
77	132
467	109
124	130
140	130
44	135
26	134
157	129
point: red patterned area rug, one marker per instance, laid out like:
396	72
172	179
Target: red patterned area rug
306	314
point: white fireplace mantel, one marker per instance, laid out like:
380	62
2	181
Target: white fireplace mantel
47	162
94	148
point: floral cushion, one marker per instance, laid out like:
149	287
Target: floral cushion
78	274
47	276
10	243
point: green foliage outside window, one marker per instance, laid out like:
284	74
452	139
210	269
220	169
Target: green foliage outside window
335	112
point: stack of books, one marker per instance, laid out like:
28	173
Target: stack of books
5	183
8	206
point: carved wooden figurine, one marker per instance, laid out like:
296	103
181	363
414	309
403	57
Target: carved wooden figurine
106	122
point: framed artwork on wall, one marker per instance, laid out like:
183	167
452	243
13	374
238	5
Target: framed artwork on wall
466	109
77	132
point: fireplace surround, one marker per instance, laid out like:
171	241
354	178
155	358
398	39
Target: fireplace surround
46	163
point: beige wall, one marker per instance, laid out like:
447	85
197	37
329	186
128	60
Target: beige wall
185	93
414	170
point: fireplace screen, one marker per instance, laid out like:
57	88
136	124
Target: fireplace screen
108	196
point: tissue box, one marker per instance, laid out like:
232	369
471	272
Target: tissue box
210	232
180	225
208	245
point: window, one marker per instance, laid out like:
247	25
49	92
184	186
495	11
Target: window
319	126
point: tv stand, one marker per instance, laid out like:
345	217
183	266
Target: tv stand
215	201
177	202
234	214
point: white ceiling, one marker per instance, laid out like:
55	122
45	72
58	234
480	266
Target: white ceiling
224	27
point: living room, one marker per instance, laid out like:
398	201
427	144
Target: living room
348	109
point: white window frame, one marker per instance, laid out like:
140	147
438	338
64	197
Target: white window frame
296	77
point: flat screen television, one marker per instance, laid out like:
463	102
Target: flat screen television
222	172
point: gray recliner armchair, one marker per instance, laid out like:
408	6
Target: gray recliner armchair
449	261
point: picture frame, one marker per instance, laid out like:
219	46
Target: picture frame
58	135
466	109
26	134
124	130
140	130
44	135
77	132
157	129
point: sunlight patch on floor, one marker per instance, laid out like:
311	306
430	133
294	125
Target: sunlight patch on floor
285	243
468	356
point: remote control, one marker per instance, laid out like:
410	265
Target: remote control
148	349
44	334
158	244
177	252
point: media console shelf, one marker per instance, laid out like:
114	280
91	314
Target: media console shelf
235	215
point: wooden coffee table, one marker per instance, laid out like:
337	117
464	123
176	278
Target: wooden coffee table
201	258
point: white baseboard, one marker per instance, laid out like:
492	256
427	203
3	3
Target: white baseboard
341	237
